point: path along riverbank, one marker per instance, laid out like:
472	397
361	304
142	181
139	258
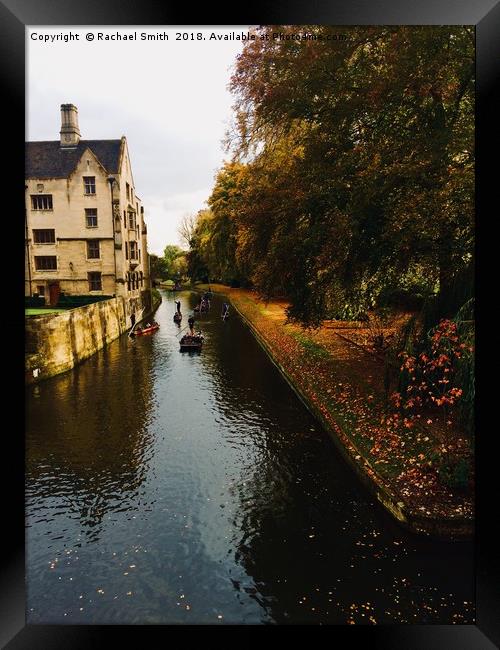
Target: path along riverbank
343	387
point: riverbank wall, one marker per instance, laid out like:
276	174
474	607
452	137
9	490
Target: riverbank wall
57	342
275	339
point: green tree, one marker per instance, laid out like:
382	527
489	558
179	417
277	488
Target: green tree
180	266
198	257
170	255
158	267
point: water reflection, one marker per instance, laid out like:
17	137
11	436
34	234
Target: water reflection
166	487
93	424
358	565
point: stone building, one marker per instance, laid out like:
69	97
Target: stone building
85	228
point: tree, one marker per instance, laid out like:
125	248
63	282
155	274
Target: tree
186	228
198	257
225	204
158	267
180	266
170	255
380	188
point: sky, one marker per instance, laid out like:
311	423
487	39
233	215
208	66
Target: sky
168	97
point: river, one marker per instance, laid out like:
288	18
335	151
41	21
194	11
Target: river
168	487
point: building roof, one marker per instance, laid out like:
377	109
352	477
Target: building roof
50	160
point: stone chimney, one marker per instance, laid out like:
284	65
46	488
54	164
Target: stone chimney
70	133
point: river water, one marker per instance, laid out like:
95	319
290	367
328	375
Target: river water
168	487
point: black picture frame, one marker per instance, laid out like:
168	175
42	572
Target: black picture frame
14	16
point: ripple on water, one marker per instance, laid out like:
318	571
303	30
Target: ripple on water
164	487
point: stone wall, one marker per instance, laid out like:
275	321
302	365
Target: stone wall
57	342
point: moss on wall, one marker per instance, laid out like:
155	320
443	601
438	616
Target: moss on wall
57	342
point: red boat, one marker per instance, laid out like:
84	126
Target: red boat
147	330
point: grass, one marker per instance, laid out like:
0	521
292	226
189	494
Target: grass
313	348
35	311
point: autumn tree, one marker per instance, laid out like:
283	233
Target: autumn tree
226	203
383	187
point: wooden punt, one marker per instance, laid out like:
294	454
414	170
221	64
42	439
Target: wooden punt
189	342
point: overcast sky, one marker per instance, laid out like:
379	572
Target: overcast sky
169	98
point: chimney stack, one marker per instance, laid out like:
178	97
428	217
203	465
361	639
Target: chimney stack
70	133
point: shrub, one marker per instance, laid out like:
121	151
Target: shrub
465	375
453	471
34	302
431	375
156	295
377	323
401	299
